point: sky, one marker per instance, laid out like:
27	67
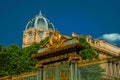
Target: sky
98	18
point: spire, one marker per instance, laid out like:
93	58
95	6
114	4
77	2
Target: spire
40	13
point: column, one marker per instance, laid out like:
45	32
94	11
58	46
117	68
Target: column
108	70
40	74
117	70
56	72
79	74
111	69
74	71
43	74
76	68
114	68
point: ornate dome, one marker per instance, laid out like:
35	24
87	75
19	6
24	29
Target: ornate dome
40	22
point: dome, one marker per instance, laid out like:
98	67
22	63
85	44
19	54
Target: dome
40	22
30	23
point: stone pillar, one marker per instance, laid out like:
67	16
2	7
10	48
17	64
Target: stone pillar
74	71
44	74
108	70
117	70
40	74
111	69
79	74
40	71
56	72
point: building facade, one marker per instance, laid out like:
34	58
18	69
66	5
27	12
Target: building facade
59	59
37	29
109	55
40	27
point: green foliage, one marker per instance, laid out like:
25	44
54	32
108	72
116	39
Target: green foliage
88	53
14	60
7	58
92	72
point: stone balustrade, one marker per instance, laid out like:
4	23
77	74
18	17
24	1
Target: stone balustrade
103	45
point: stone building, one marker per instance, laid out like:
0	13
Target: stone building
37	29
109	55
59	58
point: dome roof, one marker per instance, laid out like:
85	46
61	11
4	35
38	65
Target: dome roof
40	22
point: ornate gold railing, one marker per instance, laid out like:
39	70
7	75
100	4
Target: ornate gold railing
24	76
33	76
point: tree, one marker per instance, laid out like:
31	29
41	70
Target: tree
91	72
88	53
3	62
14	60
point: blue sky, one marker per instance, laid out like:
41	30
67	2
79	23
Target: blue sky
98	18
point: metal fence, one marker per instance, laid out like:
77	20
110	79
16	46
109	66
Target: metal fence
25	76
103	71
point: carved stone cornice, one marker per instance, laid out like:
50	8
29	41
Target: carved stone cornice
58	45
59	51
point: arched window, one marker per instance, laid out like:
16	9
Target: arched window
41	24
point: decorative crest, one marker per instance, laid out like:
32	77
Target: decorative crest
56	40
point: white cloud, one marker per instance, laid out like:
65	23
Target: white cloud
112	37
